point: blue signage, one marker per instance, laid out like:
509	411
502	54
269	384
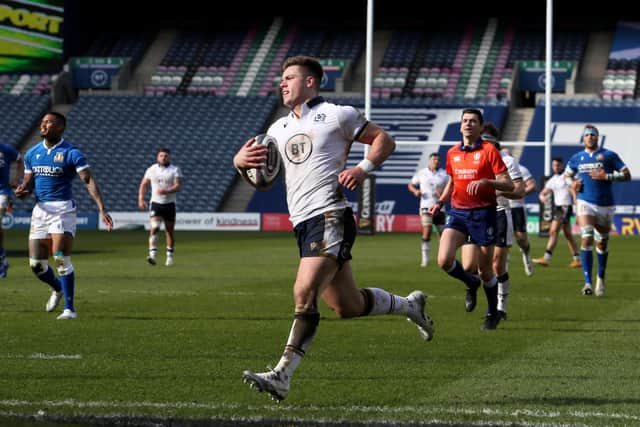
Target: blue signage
85	221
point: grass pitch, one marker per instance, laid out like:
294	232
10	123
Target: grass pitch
160	343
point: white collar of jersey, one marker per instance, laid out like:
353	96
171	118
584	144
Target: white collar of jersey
44	144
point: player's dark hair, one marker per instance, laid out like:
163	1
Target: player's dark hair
312	65
475	111
61	118
164	150
493	134
491	129
557	159
434	154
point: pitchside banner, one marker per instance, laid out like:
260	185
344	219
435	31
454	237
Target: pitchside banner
84	221
190	221
367	206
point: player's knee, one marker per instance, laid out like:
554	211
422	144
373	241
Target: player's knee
155	226
63	264
38	266
602	241
601	237
444	262
347	311
586	231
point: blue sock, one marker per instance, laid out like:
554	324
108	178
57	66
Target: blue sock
586	256
602	263
458	272
68	285
2	254
50	279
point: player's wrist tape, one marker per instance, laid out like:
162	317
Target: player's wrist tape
366	165
615	176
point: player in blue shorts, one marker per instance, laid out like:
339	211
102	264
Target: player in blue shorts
49	169
8	155
591	173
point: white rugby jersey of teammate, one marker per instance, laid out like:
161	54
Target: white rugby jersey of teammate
526	176
561	194
431	185
162	177
314	150
513	167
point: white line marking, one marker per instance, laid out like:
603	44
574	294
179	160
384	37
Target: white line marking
42	356
423	411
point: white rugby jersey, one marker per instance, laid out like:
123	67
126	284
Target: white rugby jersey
314	150
526	176
431	183
561	194
162	177
513	167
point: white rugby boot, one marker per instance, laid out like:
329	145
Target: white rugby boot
528	265
600	287
53	301
418	315
67	315
274	383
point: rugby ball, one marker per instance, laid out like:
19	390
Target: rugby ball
263	177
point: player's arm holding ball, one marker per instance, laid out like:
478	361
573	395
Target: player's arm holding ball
258	161
249	156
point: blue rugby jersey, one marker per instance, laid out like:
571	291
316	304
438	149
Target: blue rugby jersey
54	169
594	191
8	154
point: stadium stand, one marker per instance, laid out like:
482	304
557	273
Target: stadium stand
121	134
26	84
20	113
237	68
123	45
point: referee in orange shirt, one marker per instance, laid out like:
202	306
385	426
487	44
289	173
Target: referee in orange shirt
476	171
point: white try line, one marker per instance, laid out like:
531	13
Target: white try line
423	412
43	356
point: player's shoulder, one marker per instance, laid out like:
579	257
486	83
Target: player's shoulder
8	149
455	148
39	146
66	144
609	153
279	124
489	146
341	112
577	156
69	147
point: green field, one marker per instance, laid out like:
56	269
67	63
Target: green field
171	343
